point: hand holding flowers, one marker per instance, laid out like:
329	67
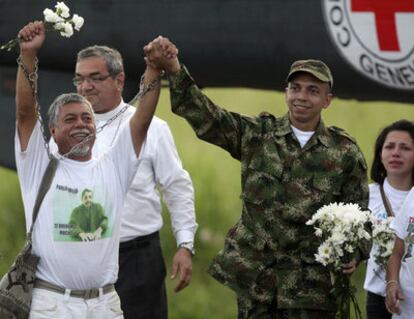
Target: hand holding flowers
341	227
58	20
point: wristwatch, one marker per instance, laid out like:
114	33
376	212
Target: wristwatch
189	246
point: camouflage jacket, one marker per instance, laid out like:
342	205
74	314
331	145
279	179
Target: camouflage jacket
269	253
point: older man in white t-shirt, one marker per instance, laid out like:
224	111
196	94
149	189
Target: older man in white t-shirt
74	278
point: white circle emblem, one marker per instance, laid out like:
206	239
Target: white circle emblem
376	37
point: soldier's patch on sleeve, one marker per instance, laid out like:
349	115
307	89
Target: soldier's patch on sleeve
358	152
265	114
342	132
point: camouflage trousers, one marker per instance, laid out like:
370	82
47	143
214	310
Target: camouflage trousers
250	309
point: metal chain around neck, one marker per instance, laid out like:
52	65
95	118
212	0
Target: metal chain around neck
143	89
98	130
113	118
33	79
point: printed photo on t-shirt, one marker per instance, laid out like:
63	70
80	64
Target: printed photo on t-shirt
80	215
409	240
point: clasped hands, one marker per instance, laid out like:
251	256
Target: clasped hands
97	234
162	54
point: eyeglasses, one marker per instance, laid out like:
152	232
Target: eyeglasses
93	79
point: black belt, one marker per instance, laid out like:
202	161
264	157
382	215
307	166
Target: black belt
139	241
85	294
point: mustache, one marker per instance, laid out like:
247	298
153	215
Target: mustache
80	131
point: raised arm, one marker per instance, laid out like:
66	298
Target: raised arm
142	117
31	37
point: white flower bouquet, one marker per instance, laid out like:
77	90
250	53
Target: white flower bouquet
383	238
58	20
341	228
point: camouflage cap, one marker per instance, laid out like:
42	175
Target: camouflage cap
315	67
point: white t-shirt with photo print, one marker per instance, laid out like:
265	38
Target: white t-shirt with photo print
403	225
65	259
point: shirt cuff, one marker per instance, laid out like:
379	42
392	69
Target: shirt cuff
184	236
181	80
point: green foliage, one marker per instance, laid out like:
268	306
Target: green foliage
12	231
216	178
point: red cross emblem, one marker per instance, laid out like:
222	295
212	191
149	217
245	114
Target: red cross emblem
385	18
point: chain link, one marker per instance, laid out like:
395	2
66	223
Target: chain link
144	89
32	79
113	118
98	130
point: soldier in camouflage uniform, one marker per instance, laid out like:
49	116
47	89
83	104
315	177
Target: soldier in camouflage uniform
290	167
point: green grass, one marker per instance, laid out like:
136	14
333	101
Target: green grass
216	178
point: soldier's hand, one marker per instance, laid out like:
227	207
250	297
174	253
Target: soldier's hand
162	53
182	265
32	37
349	268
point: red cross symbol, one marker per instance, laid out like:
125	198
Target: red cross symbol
384	11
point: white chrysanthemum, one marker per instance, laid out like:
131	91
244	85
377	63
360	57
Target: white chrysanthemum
77	22
342	226
338	237
324	254
51	16
383	240
389	248
349	248
318	232
62	10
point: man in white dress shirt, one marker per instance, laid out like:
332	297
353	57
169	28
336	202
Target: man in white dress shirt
142	271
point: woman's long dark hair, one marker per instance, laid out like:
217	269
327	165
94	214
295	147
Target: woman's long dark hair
378	172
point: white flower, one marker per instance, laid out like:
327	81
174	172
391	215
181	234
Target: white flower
62	10
65	29
51	16
383	240
318	232
58	20
77	22
342	227
324	254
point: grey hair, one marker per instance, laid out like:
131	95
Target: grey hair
61	100
111	56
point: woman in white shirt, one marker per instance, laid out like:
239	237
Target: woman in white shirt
392	173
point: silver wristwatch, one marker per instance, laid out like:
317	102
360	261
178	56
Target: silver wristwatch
189	246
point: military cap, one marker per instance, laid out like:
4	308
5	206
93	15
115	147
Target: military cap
315	67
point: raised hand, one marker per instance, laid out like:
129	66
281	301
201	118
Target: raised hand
32	37
161	53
